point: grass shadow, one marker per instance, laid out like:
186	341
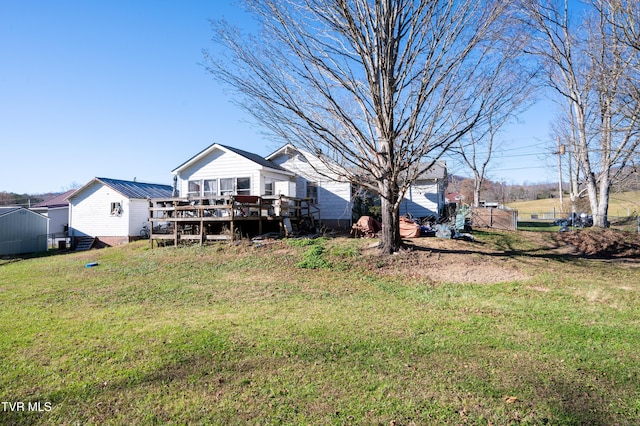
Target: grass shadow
7	259
507	246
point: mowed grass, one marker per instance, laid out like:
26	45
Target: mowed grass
282	333
621	204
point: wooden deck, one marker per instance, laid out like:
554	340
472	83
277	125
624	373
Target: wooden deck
199	219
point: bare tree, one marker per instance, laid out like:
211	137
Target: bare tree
588	67
624	17
505	87
372	87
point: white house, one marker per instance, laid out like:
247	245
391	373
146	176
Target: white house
113	211
224	170
331	193
57	210
426	197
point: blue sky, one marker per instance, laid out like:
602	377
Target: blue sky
116	89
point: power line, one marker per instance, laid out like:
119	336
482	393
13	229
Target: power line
520	168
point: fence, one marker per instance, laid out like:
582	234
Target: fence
550	215
483	217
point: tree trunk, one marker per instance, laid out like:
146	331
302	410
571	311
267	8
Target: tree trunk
477	186
391	241
600	215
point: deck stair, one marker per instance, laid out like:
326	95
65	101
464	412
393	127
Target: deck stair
84	243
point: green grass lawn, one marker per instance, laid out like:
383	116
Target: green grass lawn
538	225
286	333
620	205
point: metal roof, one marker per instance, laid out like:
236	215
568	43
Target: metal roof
59	200
7	210
138	189
132	190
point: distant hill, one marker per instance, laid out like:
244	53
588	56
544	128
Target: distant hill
24	200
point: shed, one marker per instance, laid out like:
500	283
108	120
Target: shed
22	231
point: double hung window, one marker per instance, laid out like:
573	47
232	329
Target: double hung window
222	186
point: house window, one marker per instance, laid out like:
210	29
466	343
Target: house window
226	186
210	187
116	209
194	188
268	188
243	186
312	192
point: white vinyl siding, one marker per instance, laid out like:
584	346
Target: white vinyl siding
58	219
333	196
90	212
422	200
138	216
90	215
233	174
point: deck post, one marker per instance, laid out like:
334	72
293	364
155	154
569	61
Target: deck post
150	219
175	224
231	215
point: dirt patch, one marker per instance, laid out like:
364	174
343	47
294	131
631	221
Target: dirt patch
499	259
602	243
447	261
457	268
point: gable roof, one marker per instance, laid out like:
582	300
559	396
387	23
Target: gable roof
284	149
4	211
59	200
7	210
131	190
329	168
428	170
261	161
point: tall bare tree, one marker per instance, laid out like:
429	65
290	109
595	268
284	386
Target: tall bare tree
590	68
375	87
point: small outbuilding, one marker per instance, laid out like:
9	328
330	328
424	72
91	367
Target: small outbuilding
112	211
57	210
22	231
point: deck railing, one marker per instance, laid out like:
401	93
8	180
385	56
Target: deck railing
193	217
